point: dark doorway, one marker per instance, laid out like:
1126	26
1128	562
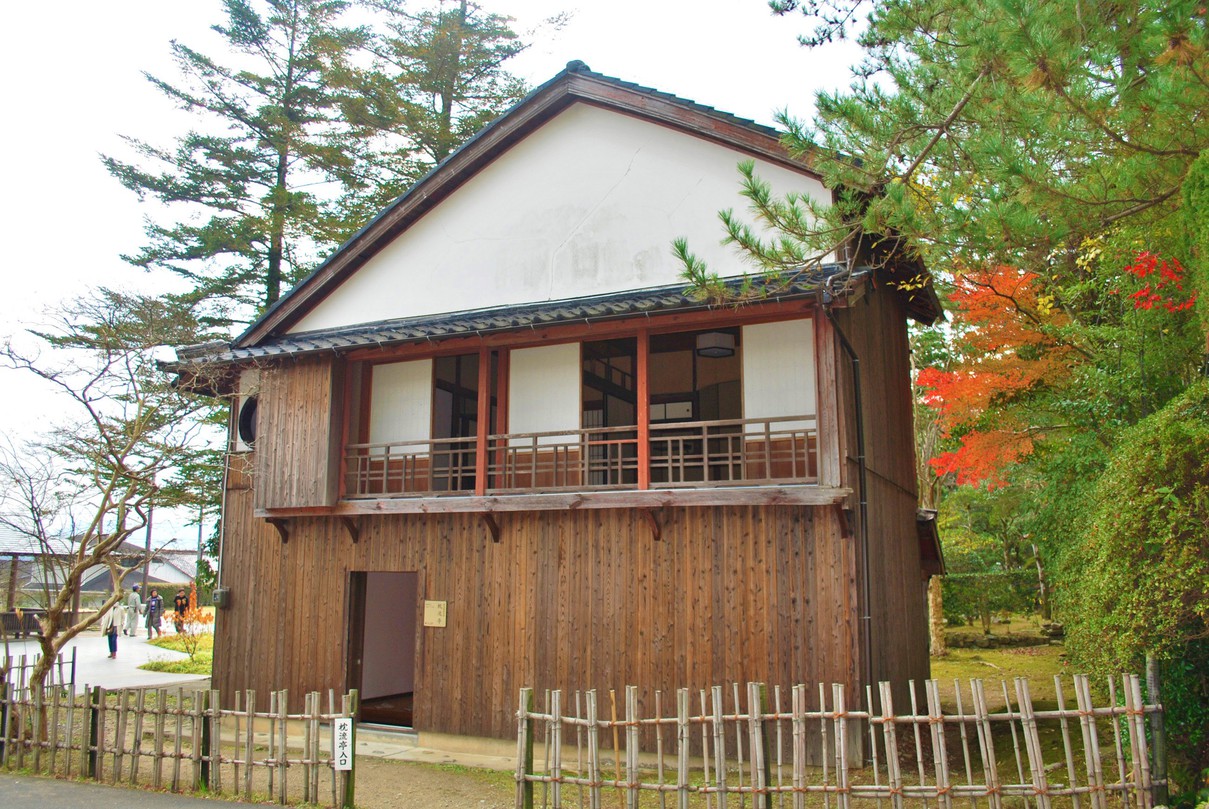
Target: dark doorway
382	644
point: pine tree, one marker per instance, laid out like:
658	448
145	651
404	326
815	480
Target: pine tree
247	221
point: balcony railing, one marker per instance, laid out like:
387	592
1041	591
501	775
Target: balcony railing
732	452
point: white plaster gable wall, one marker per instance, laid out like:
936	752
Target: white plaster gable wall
587	204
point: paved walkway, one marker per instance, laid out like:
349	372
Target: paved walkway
27	792
93	666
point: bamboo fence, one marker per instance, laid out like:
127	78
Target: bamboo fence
705	751
180	740
17	670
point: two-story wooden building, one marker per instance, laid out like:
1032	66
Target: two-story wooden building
491	444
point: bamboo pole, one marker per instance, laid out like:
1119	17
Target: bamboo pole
271	753
986	745
719	747
840	713
119	740
556	748
593	752
195	742
250	709
54	728
1071	777
39	717
235	754
798	728
161	703
893	772
1116	739
616	756
1091	742
738	708
136	748
776	700
631	746
940	748
823	754
178	726
1007	701
71	729
1032	737
659	774
919	749
1137	738
283	754
872	743
705	750
524	750
682	741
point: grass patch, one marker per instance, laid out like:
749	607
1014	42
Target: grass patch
202	662
1038	663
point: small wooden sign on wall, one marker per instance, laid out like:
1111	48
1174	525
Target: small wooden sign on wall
434	613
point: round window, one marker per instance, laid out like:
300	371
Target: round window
247	421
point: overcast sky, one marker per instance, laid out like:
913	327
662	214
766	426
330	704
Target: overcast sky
74	84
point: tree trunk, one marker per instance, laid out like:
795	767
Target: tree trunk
936	619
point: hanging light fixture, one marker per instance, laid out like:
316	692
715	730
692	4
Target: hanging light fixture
715	344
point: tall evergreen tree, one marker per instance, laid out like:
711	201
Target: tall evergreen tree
240	186
440	74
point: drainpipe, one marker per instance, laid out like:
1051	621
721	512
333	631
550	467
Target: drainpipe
862	479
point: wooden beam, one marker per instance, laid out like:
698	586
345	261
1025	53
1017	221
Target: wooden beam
282	524
653	521
801	495
353	526
642	375
493	527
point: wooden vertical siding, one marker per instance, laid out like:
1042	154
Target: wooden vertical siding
298	434
876	327
565	599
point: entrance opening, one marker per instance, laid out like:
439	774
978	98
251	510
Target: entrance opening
382	644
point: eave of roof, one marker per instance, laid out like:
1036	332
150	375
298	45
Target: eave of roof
481	322
575	83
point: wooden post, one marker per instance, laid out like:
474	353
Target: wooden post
524	750
94	740
643	399
482	422
352	703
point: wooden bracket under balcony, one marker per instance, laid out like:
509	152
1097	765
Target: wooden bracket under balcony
493	527
283	527
653	521
353	526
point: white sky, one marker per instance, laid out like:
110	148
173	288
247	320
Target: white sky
73	84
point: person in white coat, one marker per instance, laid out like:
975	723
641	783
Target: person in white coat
110	622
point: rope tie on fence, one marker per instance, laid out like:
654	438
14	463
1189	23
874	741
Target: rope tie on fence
942	791
936	719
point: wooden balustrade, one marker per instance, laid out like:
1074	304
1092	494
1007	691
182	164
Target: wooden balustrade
728	452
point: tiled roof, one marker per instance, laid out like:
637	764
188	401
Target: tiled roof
484	321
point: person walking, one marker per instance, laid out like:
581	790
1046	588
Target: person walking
180	605
134	608
155	613
110	622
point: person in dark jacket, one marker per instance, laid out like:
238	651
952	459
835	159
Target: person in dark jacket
180	605
155	614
